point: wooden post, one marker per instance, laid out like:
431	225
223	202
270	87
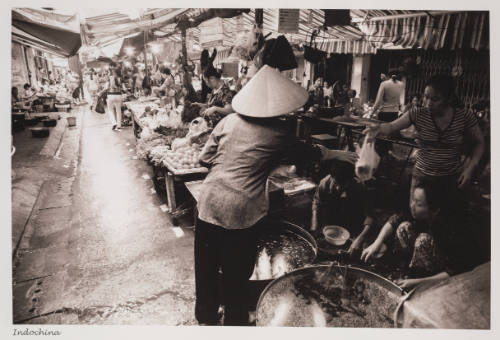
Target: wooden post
145	34
259	17
184	56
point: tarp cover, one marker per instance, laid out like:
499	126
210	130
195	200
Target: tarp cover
54	29
460	302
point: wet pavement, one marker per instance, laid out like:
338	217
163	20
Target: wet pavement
97	248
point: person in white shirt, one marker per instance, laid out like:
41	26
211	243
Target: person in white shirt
389	98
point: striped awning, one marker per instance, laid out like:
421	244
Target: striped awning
338	38
427	30
347	47
106	28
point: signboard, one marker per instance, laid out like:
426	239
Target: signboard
288	20
214	43
211	31
19	71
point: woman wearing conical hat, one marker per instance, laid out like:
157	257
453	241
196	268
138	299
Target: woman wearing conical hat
241	152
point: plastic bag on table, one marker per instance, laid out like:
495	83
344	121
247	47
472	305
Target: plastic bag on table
368	161
180	142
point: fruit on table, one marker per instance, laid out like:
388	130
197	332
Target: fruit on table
184	157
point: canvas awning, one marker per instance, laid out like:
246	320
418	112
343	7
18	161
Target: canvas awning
32	41
423	29
309	20
106	28
60	33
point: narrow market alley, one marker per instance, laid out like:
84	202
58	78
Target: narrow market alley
97	248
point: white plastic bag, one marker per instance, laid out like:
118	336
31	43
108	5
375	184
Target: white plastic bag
368	161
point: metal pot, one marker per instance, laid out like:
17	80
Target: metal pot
281	248
296	249
329	296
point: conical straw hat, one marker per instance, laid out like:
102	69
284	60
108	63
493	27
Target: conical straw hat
269	94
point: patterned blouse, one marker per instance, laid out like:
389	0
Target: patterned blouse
440	150
220	98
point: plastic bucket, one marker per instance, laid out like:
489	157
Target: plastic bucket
71	121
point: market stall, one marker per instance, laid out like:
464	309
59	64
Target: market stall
291	252
165	142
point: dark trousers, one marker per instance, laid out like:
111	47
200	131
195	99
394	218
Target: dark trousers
234	252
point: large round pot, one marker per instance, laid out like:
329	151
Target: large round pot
329	296
281	248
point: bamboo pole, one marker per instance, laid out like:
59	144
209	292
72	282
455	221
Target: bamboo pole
145	35
402	16
184	57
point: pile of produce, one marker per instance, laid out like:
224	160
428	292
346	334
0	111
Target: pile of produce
184	156
148	142
171	132
159	153
157	118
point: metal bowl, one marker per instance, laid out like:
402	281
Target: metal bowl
329	296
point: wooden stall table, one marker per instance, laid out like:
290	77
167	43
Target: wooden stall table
47	100
296	193
173	175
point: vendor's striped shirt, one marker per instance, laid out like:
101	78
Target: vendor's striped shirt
440	150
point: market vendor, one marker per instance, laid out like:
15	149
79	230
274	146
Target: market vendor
167	83
351	107
219	100
442	129
14	95
339	93
28	93
341	199
43	86
241	152
431	240
316	92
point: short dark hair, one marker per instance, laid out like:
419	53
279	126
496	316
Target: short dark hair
435	195
342	171
26	86
212	72
165	70
445	85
